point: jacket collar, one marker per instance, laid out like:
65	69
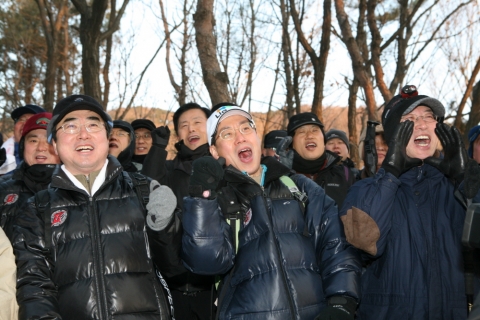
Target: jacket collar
274	171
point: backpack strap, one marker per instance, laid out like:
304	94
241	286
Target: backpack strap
299	195
140	184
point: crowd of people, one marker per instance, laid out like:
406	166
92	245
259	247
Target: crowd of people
98	224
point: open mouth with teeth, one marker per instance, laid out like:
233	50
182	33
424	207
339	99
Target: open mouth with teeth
311	146
193	139
245	155
422	141
84	148
113	145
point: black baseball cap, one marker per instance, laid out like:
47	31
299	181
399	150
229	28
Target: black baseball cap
73	103
302	119
273	138
143	123
26	109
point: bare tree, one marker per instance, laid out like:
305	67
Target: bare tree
92	15
214	78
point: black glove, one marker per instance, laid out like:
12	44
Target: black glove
160	136
472	179
285	157
3	156
339	308
455	157
396	161
206	174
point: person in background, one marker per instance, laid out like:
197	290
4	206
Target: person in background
337	142
83	245
32	175
122	145
474	143
193	294
10	156
271	142
8	271
381	149
408	220
282	256
143	138
311	159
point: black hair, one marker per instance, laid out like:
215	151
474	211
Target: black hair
186	107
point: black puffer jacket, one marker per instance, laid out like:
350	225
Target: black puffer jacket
15	192
99	264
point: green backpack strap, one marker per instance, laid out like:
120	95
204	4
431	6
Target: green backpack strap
299	195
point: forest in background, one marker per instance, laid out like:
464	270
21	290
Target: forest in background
216	51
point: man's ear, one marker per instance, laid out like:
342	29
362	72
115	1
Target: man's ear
213	152
55	147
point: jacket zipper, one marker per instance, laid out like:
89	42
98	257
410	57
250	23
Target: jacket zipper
97	260
277	246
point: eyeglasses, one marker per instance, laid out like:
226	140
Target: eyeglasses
73	127
120	133
229	133
145	136
428	118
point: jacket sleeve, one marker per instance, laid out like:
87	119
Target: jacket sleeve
376	197
207	246
154	164
8	301
36	291
165	246
339	262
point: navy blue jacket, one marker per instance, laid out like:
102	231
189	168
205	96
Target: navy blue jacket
417	272
282	270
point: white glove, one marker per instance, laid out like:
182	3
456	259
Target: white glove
161	206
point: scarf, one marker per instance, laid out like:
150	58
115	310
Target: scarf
186	154
38	176
308	166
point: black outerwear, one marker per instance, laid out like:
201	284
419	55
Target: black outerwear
334	177
99	265
176	174
15	192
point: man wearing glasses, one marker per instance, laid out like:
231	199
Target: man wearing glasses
122	145
83	245
143	138
282	253
407	218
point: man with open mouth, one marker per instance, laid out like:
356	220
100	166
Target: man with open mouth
311	159
408	219
193	294
274	236
122	145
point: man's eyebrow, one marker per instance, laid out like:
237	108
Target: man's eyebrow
195	118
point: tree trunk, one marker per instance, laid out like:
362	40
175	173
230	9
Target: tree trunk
358	64
352	122
215	79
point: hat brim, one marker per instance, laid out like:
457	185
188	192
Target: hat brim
436	106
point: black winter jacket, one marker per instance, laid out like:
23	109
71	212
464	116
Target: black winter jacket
288	261
176	174
99	264
15	192
334	177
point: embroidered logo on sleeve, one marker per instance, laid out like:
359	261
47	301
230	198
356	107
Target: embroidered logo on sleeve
58	217
10	199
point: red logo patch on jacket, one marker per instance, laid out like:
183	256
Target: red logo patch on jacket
248	217
10	198
58	217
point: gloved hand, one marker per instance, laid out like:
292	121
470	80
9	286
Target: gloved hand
339	308
285	157
160	136
161	206
3	156
472	179
396	161
206	174
455	157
